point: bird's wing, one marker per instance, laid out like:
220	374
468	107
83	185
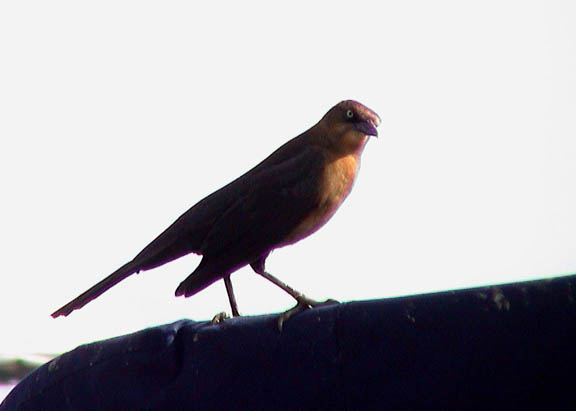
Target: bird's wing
188	233
281	196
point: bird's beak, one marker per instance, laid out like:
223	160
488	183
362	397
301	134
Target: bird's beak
368	127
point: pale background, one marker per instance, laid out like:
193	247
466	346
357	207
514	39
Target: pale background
117	116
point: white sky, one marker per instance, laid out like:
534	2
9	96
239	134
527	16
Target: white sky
116	117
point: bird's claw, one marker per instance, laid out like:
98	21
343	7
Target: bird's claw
303	303
310	303
300	306
219	318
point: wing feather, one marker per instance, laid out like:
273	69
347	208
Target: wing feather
279	199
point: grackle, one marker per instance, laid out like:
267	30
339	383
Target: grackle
282	200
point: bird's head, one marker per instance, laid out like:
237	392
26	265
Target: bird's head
348	125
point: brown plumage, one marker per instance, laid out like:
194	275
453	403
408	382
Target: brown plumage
282	200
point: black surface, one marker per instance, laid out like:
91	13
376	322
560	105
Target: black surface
507	347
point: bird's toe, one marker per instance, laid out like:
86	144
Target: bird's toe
219	318
304	303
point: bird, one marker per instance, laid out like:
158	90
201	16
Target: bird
282	200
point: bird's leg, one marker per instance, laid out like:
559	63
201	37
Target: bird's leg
231	296
303	302
297	295
220	317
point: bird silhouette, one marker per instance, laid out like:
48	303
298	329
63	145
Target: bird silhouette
283	199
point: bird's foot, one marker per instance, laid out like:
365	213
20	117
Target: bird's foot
219	318
303	303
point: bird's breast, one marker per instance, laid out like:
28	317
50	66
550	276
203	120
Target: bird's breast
335	185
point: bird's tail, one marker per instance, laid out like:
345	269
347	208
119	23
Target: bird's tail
204	275
97	290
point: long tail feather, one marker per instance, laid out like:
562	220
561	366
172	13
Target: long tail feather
95	291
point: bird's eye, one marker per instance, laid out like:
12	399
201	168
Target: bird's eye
349	114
